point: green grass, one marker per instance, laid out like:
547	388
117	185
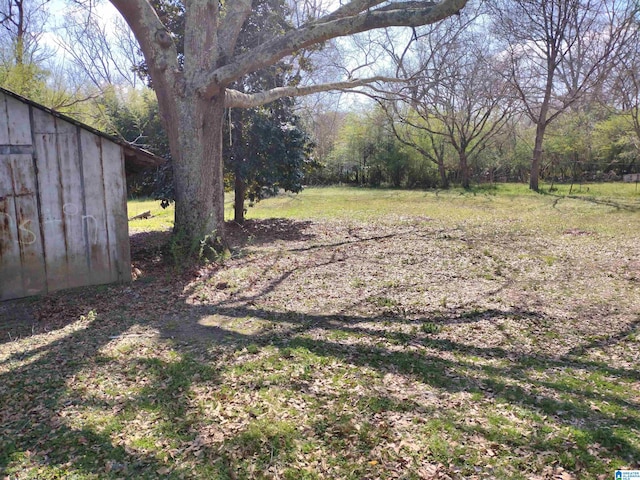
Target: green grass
456	204
612	190
489	333
460	207
161	218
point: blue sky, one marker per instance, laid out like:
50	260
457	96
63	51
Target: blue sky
59	8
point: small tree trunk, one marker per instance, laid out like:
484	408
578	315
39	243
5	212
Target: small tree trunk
240	189
198	165
537	159
464	169
20	34
444	181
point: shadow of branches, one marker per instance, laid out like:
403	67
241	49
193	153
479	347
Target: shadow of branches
224	373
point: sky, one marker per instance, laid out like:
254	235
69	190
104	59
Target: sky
59	8
104	9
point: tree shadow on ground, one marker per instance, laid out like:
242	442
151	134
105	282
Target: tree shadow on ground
257	232
618	205
70	372
42	386
54	357
559	400
36	396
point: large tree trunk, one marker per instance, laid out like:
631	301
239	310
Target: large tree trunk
198	168
536	161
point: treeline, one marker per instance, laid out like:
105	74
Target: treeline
365	149
523	91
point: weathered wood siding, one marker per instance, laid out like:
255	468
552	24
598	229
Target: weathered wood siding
63	214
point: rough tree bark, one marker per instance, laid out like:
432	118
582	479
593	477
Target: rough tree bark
536	160
192	93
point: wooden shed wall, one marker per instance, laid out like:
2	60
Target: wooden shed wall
63	214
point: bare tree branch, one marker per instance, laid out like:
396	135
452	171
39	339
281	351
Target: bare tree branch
351	8
236	99
315	33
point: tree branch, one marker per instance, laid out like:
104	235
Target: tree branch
236	14
155	41
273	50
347	10
236	99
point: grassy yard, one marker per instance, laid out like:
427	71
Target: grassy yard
352	334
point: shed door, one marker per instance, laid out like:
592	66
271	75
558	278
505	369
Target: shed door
21	254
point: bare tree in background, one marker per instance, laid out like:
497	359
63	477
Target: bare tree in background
104	54
454	95
623	88
24	55
21	28
559	51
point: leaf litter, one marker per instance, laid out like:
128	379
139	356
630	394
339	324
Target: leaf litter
398	348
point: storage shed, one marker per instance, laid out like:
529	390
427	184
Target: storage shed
63	211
